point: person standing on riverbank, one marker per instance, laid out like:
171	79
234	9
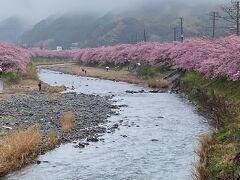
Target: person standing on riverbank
40	86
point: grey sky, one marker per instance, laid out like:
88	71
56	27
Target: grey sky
38	9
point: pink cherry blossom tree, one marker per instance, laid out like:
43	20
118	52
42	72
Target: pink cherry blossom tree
218	58
13	57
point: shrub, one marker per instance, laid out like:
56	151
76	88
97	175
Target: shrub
12	77
148	71
159	84
30	72
68	121
51	140
19	149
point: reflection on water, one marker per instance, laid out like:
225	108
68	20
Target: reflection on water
156	141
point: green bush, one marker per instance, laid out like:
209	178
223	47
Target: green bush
12	77
230	134
222	86
224	136
50	59
148	71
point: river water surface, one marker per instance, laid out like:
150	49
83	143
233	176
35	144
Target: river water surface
156	141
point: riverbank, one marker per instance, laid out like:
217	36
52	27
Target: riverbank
113	74
46	118
16	83
218	99
23	111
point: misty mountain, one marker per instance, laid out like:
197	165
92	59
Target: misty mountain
91	30
11	29
86	31
59	31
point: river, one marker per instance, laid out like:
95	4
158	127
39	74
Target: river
156	140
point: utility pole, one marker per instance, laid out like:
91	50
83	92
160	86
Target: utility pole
175	34
214	24
144	36
238	9
214	16
132	39
181	24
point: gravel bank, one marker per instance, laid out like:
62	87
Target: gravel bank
19	112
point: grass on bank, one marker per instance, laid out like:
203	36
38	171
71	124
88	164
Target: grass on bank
158	84
55	89
48	61
15	77
115	67
50	141
219	158
130	73
20	148
148	71
27	80
200	171
30	72
222	87
68	122
11	77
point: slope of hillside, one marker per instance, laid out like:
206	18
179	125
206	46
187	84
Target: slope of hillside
12	28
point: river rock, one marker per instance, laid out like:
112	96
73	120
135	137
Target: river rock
115	126
79	145
131	92
92	139
159	91
85	143
124	136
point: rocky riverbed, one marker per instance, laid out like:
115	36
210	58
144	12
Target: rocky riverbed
91	113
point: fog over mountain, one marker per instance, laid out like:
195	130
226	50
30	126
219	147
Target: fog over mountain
95	23
40	9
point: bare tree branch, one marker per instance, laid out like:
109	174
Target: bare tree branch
232	14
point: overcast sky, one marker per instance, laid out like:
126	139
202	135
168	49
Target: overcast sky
38	9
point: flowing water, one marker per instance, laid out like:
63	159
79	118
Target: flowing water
156	141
